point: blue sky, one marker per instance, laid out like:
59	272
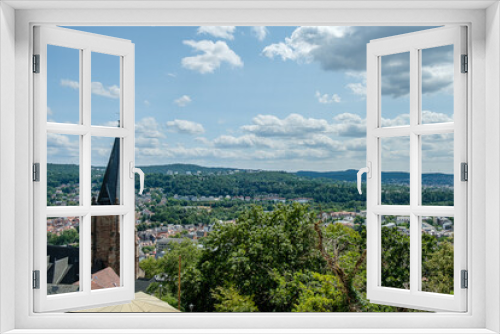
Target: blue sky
281	98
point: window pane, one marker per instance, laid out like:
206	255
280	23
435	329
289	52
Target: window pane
63	255
63	170
437	169
105	252
395	252
105	89
437	84
395	170
437	254
105	171
63	85
395	89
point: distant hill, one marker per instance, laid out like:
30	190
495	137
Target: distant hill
397	178
183	168
428	179
344	175
63	168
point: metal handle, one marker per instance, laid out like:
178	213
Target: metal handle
141	179
133	171
368	171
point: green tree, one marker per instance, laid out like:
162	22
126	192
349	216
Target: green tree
345	254
168	268
323	294
68	237
395	259
359	221
256	252
277	261
229	300
437	265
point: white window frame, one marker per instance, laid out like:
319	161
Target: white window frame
413	43
483	100
86	44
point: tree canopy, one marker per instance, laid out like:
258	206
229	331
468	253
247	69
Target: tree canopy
286	260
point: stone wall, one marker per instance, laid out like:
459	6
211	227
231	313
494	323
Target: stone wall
106	243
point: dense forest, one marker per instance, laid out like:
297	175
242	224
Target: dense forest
286	260
290	186
331	190
262	256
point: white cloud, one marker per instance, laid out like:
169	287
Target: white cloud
70	83
395	154
147	135
203	140
357	88
49	111
334	48
322	141
437	153
292	142
434	117
148	154
172	75
189	153
148	143
148	127
303	41
294	125
62	148
326	99
399	120
260	32
225	32
147	103
350	125
54	139
183	126
96	87
344	49
311	153
245	141
213	55
112	92
101	151
183	101
357	144
112	124
280	49
436	78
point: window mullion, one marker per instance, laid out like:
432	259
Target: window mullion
86	149
85	254
86	184
414	169
418	219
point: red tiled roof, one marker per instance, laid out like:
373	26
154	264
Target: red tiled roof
104	279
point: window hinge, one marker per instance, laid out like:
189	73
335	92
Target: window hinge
36	279
464	171
36	63
465	279
465	64
36	172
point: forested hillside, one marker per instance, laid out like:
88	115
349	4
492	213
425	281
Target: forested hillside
329	187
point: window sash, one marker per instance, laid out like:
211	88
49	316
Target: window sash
86	43
413	43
